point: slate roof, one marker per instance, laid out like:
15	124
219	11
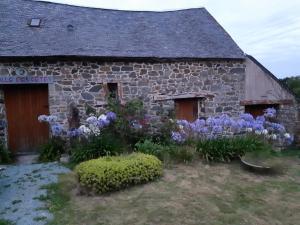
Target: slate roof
79	31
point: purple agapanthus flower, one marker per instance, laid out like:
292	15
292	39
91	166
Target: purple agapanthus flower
111	116
289	139
200	123
92	120
217	129
56	130
258	126
183	123
103	123
197	125
204	130
74	132
178	137
278	127
43	118
247	117
270	112
260	119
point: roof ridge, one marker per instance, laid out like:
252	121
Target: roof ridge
111	9
190	33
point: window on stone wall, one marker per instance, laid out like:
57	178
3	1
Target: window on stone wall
187	109
258	110
112	89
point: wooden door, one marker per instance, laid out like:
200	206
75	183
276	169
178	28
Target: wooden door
258	110
24	103
186	109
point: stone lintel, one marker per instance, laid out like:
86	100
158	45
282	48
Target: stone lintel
202	94
267	102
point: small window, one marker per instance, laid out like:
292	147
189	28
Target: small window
35	22
112	89
187	109
258	110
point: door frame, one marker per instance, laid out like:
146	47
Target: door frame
7	135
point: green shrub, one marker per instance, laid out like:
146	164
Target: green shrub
151	148
5	156
166	128
166	152
52	150
131	124
108	174
227	149
106	144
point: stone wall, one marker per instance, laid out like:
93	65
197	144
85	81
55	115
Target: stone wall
3	123
83	82
288	116
297	126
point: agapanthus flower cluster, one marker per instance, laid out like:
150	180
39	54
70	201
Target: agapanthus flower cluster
55	128
48	119
93	125
270	113
224	125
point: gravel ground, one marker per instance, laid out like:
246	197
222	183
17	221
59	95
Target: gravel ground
21	193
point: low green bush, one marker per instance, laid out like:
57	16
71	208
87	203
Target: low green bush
227	149
151	148
108	174
166	152
106	144
52	150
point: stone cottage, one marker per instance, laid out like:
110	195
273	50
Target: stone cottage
54	57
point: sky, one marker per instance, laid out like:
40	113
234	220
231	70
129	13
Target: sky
269	30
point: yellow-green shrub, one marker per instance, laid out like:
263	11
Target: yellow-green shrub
108	174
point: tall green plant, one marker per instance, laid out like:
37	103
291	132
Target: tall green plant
167	152
5	156
52	150
105	144
227	149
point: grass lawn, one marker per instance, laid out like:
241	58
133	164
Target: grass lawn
187	194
